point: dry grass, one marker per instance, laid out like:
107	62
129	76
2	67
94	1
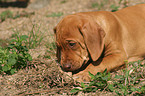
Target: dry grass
45	77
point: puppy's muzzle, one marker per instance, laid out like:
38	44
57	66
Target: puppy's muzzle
67	67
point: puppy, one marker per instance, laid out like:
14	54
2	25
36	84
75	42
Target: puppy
93	41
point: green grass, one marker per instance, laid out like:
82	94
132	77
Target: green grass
100	4
51	50
51	46
9	14
35	37
6	14
15	56
127	83
63	1
114	7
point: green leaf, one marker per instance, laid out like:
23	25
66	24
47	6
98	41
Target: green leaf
117	92
91	75
95	89
13	40
5	68
89	89
105	72
49	57
143	89
10	46
105	78
23	37
30	58
135	89
55	14
111	87
13	71
127	74
114	8
91	83
82	85
98	73
74	90
11	61
118	77
138	62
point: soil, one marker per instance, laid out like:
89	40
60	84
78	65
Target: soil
45	78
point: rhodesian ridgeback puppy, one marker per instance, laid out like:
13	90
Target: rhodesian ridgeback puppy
93	41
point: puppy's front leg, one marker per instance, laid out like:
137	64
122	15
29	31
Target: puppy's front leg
110	62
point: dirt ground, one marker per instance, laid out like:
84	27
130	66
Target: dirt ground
45	78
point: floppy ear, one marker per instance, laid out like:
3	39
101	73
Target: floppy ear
58	52
93	36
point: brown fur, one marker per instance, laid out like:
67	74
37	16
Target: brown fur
98	40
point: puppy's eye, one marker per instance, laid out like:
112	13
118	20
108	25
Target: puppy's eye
72	44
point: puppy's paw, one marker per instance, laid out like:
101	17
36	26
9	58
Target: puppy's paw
82	77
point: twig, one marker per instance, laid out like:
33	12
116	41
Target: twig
50	90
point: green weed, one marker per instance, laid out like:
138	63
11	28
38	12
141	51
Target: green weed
23	14
100	4
63	1
9	14
6	14
51	51
126	84
35	37
51	47
114	7
98	82
15	56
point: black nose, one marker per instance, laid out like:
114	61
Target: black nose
67	66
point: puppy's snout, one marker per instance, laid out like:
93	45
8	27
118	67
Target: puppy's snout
67	66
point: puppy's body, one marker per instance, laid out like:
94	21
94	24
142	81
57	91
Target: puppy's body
107	38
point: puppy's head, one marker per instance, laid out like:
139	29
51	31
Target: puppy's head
78	38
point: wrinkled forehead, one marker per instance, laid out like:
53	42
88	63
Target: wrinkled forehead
68	32
68	29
